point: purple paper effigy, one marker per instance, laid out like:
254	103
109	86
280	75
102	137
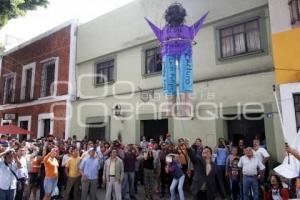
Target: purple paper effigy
175	40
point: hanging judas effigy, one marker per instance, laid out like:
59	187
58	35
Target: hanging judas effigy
176	40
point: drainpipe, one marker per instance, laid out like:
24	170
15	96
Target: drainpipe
1	56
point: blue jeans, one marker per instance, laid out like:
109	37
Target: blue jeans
7	194
250	182
180	183
49	185
128	184
235	188
185	73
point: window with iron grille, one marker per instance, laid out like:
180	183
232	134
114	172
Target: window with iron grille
153	61
297	110
27	89
96	131
9	89
48	77
294	11
105	72
239	39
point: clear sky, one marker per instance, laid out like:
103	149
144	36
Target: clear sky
58	11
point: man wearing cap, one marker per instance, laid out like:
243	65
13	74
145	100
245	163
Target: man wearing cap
4	141
113	175
89	168
8	174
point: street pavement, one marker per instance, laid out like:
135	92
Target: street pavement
140	195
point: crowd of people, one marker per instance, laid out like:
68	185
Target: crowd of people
76	169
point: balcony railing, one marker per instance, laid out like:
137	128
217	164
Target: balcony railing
25	94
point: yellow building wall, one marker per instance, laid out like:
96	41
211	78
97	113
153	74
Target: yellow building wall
286	53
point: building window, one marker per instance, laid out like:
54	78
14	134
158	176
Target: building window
45	124
297	110
96	131
105	72
27	88
48	78
9	89
239	39
27	84
294	11
153	61
24	125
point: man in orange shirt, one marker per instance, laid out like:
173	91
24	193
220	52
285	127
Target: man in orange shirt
51	169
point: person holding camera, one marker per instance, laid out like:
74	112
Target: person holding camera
8	173
175	169
51	171
22	173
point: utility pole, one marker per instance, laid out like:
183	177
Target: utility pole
2	48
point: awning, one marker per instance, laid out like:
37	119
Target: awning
13	130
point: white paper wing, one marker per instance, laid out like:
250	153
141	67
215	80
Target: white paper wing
290	167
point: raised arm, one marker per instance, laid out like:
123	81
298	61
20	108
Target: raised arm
294	152
197	25
191	154
155	29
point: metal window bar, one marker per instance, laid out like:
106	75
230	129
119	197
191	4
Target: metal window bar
296	98
105	69
28	85
50	79
240	39
153	61
298	10
47	79
9	90
294	6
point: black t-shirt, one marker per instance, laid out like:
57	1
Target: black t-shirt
148	164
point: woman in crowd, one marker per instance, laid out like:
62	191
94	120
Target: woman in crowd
174	168
182	155
51	171
148	165
276	190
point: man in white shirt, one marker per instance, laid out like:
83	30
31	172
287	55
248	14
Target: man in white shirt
8	174
22	174
250	165
260	152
